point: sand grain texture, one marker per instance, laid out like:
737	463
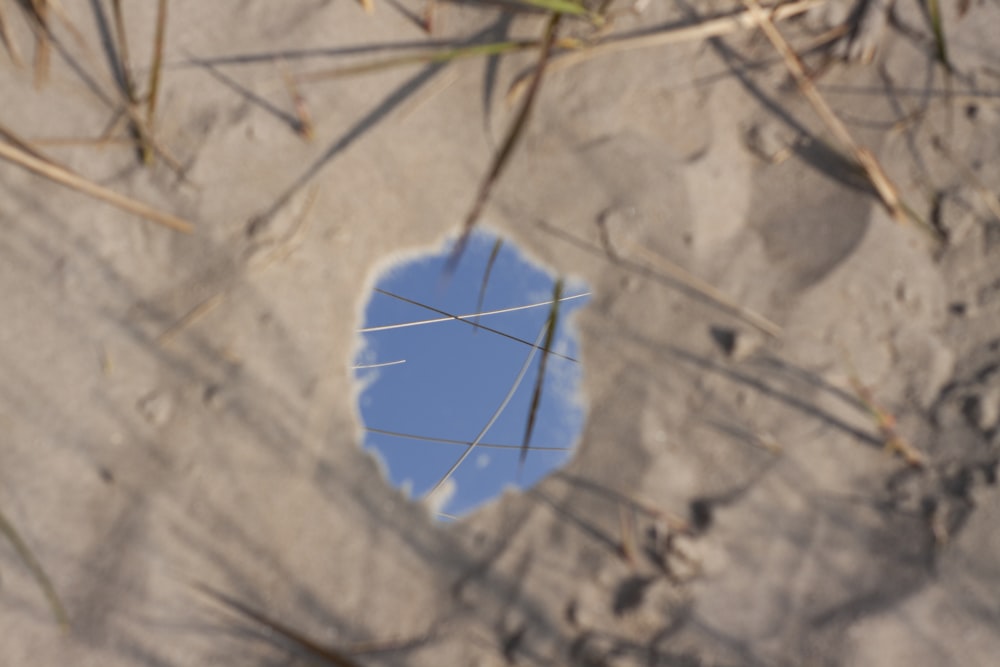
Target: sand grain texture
178	408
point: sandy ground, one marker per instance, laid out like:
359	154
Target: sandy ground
178	409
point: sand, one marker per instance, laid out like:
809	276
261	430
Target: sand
178	409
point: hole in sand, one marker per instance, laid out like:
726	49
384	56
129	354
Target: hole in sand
431	384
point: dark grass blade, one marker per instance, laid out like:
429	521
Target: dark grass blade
470	322
154	75
486	277
536	399
502	156
328	654
37	572
125	63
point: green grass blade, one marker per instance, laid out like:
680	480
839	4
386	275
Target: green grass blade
154	75
428	58
940	46
570	7
328	654
8	530
550	333
486	277
506	149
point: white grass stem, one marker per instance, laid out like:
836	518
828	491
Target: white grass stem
496	413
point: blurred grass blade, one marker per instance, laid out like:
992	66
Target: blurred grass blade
8	40
550	334
706	29
506	149
37	572
124	62
327	654
43	45
940	46
570	7
63	176
486	277
154	75
428	58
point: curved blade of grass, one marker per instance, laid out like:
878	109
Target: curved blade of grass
507	148
327	654
486	277
550	333
495	416
469	322
37	572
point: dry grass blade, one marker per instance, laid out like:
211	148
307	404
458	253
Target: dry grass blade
63	176
304	125
43	44
467	321
536	399
486	274
28	558
883	185
502	156
710	28
8	40
154	74
886	423
367	5
327	654
139	126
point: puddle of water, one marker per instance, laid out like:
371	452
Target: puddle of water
430	389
